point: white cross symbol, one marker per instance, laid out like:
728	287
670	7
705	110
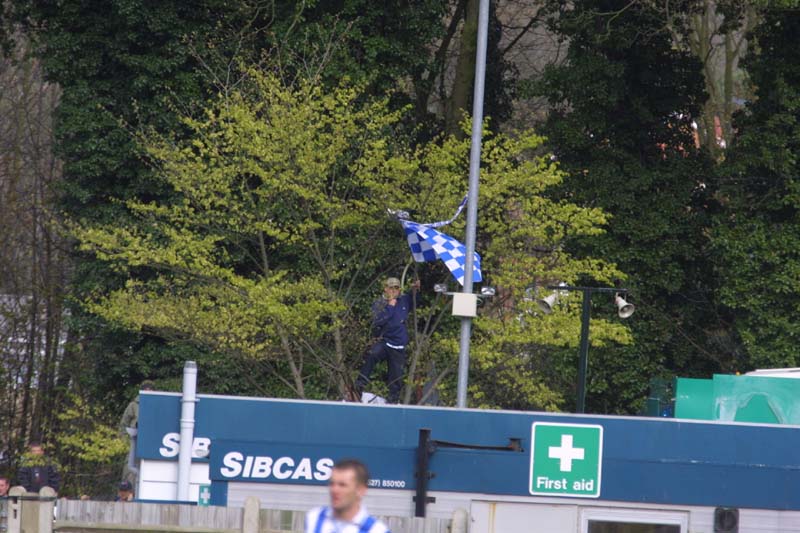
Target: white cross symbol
566	453
205	495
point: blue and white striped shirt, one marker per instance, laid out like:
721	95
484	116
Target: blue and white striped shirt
321	520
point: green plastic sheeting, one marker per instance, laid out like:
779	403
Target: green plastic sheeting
694	398
767	400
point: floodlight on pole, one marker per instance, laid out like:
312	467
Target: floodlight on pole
624	310
546	304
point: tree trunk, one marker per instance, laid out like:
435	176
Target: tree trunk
457	107
339	347
297	377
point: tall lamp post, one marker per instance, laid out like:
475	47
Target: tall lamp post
472	203
624	309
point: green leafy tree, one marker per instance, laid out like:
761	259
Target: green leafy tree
139	63
142	63
275	192
90	450
620	123
756	236
128	62
521	236
276	232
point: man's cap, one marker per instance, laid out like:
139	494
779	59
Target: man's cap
125	485
147	385
392	282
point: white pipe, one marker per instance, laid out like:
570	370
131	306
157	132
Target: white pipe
188	401
460	521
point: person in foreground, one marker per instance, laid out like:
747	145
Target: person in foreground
346	513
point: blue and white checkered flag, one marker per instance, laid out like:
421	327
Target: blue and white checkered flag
429	244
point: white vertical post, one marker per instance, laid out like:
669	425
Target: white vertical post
250	518
46	506
460	521
14	519
472	205
188	401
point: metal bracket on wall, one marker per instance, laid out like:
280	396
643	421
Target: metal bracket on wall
426	447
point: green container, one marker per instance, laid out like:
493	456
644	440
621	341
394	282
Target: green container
694	398
766	400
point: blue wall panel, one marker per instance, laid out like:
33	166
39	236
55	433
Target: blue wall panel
644	460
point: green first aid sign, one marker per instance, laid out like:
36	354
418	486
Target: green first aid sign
566	460
204	496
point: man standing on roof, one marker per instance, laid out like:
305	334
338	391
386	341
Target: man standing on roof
389	316
128	425
130	418
346	513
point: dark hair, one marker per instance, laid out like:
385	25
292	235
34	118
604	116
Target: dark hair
36	443
360	469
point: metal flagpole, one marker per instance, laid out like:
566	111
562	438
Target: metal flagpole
472	202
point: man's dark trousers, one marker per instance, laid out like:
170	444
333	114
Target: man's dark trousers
396	359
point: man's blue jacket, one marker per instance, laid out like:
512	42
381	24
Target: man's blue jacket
389	322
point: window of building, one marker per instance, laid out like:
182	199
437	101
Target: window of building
633	521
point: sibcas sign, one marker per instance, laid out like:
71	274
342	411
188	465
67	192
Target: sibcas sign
171	446
306	464
238	465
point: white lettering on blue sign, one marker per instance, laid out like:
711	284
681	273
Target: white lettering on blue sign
171	445
237	464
